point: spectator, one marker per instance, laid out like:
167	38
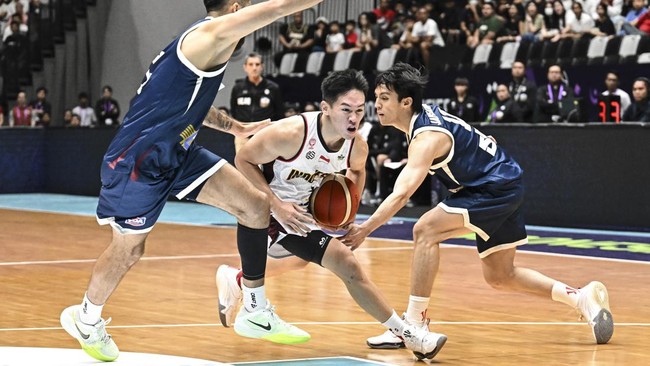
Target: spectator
41	107
255	98
638	9
15	27
510	30
21	113
107	109
469	21
427	34
67	117
611	82
579	25
555	22
555	99
75	121
502	112
369	33
532	26
385	15
450	23
85	112
523	92
294	37
351	36
640	25
603	26
386	145
335	39
310	107
319	34
639	111
464	105
488	27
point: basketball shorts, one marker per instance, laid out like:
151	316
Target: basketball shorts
134	205
310	248
493	212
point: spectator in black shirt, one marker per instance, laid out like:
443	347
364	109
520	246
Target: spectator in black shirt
639	110
523	93
107	109
41	108
255	98
464	105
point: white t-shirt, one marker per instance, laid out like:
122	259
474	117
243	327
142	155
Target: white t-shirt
582	25
429	28
335	41
86	115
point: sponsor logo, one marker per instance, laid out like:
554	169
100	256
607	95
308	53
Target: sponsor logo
324	158
312	143
187	137
266	327
138	221
82	334
322	241
310	155
309	177
244	101
341	157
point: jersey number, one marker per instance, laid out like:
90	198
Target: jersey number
148	74
487	144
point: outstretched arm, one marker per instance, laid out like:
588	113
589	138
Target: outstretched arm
222	122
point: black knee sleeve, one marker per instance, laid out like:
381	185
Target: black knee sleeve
251	244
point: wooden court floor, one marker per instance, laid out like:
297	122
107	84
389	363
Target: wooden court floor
167	303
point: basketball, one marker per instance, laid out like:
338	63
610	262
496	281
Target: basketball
335	202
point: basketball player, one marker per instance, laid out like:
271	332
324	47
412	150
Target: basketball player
487	194
302	150
152	156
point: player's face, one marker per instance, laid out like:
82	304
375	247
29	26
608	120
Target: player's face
253	67
347	113
387	105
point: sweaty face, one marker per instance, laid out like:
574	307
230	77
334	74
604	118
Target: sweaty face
253	67
347	113
387	105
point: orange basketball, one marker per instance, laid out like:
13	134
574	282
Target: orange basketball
335	202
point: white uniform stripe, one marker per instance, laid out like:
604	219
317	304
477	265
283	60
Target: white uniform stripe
199	81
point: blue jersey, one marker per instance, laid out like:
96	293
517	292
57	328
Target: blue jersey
474	159
165	115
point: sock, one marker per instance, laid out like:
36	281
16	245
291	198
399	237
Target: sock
90	313
416	312
565	294
395	324
254	298
251	244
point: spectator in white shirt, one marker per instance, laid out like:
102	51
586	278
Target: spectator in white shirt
335	39
611	81
426	33
579	24
85	111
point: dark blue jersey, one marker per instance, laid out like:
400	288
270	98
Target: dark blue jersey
165	115
474	159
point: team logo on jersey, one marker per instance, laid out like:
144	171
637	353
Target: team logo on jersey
309	177
137	221
187	137
324	158
310	155
341	157
312	143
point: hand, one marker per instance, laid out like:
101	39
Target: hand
292	216
355	236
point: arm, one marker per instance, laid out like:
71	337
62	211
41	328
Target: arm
224	123
213	42
282	139
357	170
424	149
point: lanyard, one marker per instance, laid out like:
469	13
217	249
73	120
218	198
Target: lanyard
559	93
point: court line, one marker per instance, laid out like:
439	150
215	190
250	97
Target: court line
203	325
371	362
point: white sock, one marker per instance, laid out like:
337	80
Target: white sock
416	312
90	313
254	298
565	294
395	324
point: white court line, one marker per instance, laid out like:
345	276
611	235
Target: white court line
203	325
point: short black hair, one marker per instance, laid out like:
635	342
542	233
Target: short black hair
254	55
340	82
42	88
643	79
461	81
406	81
107	87
211	5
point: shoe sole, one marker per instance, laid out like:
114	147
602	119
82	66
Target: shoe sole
603	322
227	318
275	338
67	322
386	345
441	342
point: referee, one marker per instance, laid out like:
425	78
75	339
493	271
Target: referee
255	98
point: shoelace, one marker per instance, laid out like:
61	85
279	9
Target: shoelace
101	330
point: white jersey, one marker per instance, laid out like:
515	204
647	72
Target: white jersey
295	178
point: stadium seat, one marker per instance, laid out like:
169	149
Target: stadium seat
629	47
494	59
522	51
481	55
534	58
342	60
465	62
314	63
596	50
328	63
579	52
508	54
386	59
549	54
564	52
644	58
612	51
288	63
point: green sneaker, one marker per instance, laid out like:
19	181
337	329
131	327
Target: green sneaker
265	324
93	338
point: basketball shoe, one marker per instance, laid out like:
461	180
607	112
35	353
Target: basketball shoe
265	324
93	338
593	305
422	342
387	340
230	294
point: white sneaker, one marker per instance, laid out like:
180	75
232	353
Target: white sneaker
93	338
265	324
230	294
422	342
593	304
388	340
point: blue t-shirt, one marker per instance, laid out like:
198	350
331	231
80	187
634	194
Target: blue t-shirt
474	158
165	115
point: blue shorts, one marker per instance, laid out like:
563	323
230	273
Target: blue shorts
133	204
493	212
